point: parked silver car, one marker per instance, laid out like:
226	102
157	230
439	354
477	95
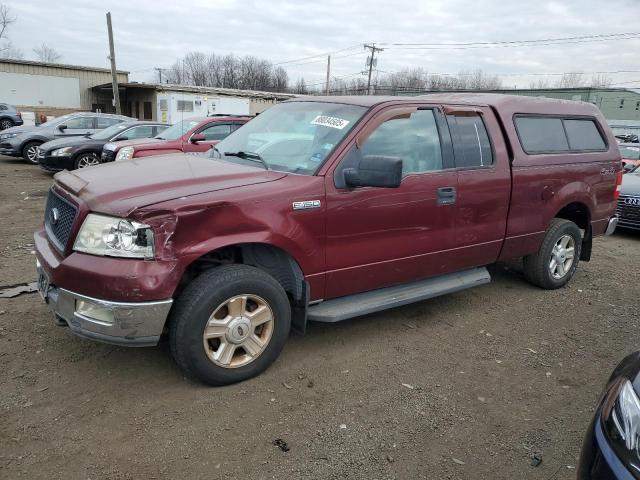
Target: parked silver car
24	141
9	116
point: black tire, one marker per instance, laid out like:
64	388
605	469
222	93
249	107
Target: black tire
6	123
537	266
84	159
27	152
201	298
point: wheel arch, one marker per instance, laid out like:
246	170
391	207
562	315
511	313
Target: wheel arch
269	258
579	213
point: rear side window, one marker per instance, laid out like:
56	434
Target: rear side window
558	135
541	135
583	135
471	144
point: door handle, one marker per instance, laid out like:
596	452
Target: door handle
447	195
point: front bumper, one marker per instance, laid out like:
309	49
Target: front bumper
10	147
137	324
54	164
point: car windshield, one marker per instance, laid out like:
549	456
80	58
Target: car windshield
176	130
292	137
57	120
109	132
631	153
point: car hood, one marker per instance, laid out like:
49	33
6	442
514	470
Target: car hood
630	184
120	188
21	129
141	142
67	142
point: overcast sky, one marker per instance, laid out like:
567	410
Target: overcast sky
154	34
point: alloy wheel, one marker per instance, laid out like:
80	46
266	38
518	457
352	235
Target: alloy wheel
88	161
4	124
238	331
562	257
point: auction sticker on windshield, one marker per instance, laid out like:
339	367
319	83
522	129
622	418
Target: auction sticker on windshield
332	122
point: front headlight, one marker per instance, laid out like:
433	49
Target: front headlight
621	422
109	146
125	153
61	151
114	237
7	136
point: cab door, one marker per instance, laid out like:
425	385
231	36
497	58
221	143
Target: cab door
378	237
213	133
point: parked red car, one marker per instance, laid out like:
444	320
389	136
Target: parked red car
324	209
192	135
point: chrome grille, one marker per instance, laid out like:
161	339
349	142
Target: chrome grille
59	215
108	156
628	210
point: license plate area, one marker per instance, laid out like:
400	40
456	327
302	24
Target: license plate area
43	284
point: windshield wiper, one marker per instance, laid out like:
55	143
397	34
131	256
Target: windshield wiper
248	156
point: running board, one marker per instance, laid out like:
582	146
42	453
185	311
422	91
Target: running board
359	304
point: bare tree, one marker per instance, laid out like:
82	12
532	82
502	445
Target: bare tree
600	80
570	80
301	87
47	54
6	48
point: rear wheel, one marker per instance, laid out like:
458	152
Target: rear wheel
5	123
557	260
30	152
229	324
85	160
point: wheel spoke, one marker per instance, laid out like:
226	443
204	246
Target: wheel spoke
214	330
552	264
253	345
569	253
225	352
564	241
260	315
237	306
560	269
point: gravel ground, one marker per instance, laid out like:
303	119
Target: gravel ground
470	385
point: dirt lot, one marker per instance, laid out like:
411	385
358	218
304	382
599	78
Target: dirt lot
491	376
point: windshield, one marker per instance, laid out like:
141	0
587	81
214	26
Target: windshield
292	137
57	120
109	132
177	130
631	153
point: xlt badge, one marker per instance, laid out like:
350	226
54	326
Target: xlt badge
306	204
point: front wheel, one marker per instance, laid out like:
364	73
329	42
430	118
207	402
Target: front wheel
30	152
557	259
229	324
85	160
5	123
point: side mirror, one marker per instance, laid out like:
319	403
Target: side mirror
122	137
197	137
62	127
375	171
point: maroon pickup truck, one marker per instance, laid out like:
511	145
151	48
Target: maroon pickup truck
323	209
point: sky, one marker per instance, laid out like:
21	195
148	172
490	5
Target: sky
152	34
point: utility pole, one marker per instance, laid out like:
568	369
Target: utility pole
114	75
371	61
159	70
326	91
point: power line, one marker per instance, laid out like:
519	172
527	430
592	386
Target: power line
560	40
318	55
322	60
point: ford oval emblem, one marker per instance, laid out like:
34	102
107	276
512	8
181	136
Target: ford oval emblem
54	216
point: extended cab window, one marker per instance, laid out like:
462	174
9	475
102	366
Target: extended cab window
216	132
541	134
471	145
414	138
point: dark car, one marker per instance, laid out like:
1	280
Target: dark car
628	208
24	141
192	135
611	448
630	153
9	116
80	152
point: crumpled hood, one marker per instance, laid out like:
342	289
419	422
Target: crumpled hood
119	188
630	184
